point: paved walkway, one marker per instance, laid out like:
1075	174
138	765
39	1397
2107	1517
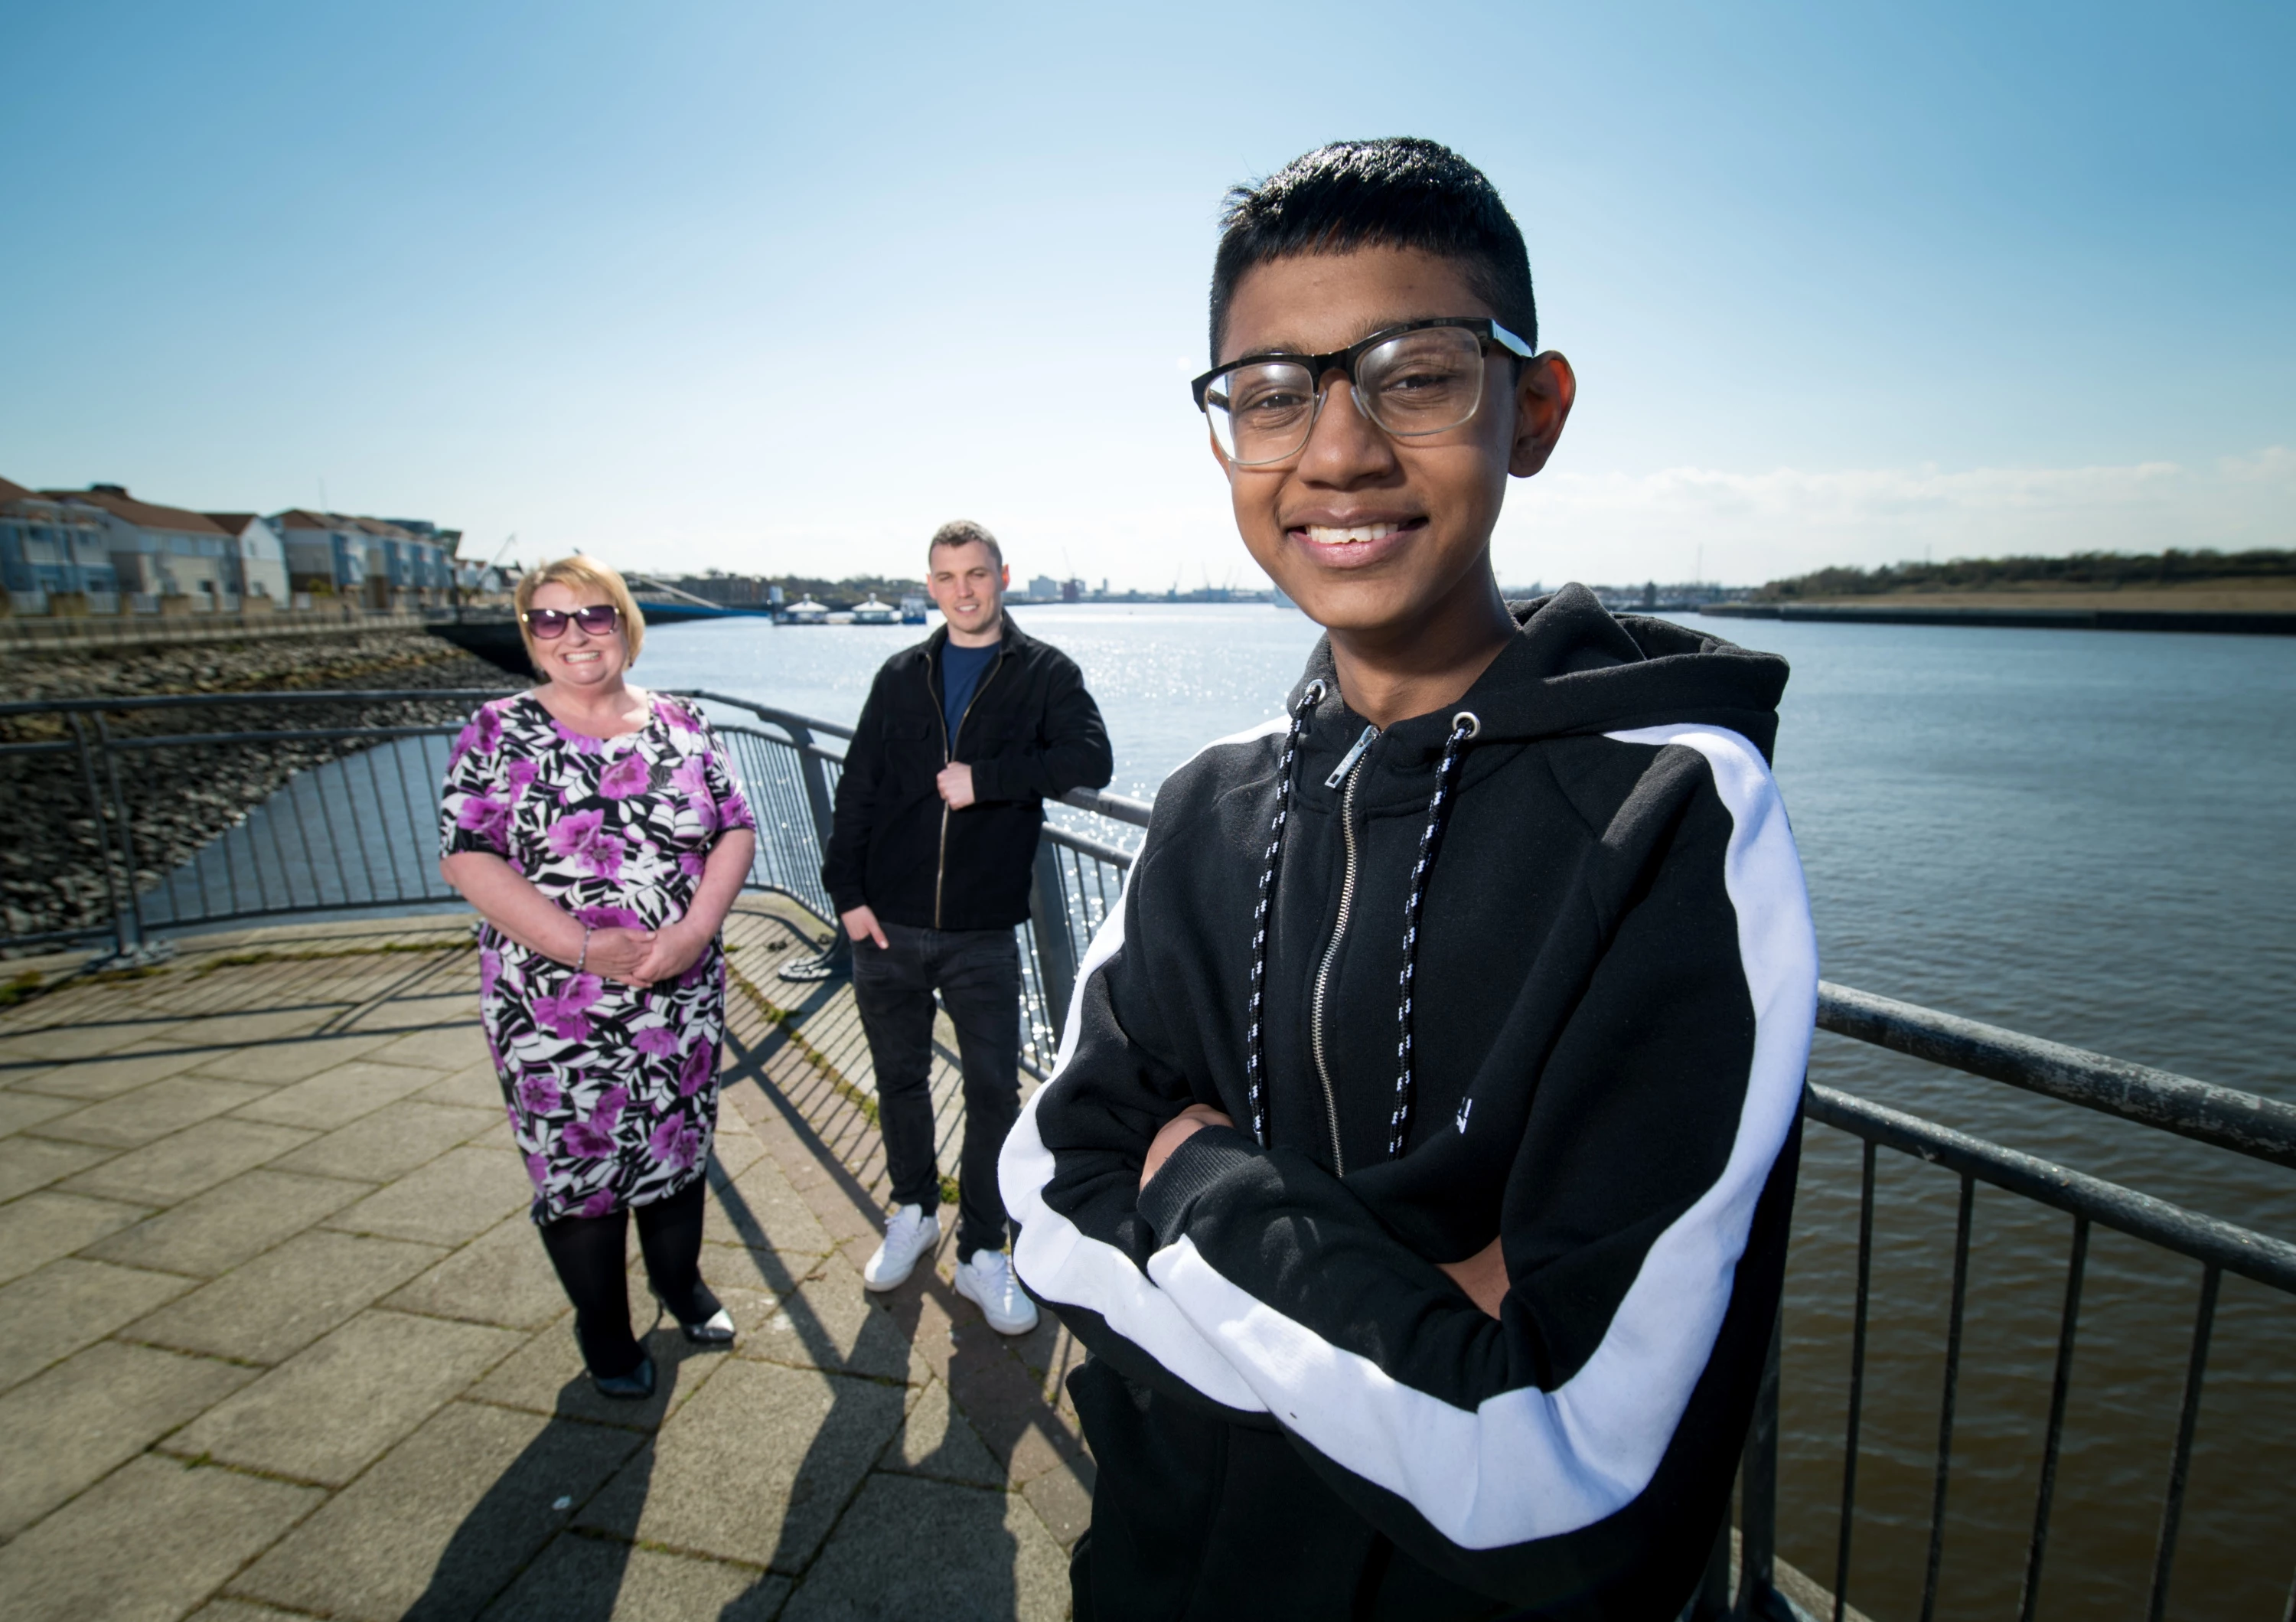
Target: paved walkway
276	1336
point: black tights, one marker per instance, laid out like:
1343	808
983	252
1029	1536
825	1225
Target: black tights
591	1255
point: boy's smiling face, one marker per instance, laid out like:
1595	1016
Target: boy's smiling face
1377	538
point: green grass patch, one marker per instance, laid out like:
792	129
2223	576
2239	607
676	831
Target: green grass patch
775	1014
22	988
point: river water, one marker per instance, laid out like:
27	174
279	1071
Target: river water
2083	835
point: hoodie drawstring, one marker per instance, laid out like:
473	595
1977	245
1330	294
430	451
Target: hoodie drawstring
1464	725
1254	1066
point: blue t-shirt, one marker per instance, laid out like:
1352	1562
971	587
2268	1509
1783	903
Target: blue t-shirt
960	674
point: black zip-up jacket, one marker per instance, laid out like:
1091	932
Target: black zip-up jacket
1612	988
1031	733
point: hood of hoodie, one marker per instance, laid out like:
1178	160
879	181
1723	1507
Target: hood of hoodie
1575	669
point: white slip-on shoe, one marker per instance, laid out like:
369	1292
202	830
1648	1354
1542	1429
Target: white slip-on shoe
910	1232
987	1280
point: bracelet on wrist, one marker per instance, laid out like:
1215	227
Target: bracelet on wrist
585	956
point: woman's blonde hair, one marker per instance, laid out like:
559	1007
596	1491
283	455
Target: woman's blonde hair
579	572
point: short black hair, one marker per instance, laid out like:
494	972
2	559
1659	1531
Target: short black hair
963	532
1402	191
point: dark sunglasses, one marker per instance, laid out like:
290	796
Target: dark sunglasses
549	624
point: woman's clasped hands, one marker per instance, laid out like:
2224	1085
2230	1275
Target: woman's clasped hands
645	957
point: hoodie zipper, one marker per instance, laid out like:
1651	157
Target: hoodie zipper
1342	773
948	754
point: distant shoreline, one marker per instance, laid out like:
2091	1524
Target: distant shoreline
2131	611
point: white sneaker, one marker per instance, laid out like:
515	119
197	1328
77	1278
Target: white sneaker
988	1281
910	1232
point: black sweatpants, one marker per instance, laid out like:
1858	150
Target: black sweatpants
1196	1520
978	974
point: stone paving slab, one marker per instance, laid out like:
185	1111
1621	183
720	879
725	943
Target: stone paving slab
544	1376
19	1111
279	1064
337	1097
164	1108
37	1228
277	1338
450	1201
502	1277
276	1305
445	1521
114	1073
72	1426
798	1443
474	1087
992	1560
329	1412
576	1573
391	1142
232	1222
188	1162
45	1317
30	1163
152	1539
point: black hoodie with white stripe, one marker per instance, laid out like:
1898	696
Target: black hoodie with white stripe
1613	986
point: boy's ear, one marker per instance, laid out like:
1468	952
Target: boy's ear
1542	394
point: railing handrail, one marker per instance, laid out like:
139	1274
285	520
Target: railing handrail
196	700
2246	1123
767	712
2209	1239
2225	1118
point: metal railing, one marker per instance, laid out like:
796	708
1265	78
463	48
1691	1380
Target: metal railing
352	825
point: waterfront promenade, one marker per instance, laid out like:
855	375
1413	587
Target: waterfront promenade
277	1337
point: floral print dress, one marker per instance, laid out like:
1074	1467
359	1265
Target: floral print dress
612	1089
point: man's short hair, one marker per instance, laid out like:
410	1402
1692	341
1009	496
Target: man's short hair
963	532
1398	192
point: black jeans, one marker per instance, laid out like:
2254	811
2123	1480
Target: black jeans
978	974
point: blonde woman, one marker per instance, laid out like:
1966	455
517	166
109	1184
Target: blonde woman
602	835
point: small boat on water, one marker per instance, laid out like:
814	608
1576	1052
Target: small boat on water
913	609
873	612
805	612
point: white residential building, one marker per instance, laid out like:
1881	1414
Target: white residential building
259	557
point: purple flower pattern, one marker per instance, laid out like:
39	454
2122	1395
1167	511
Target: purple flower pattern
628	775
612	1092
580	837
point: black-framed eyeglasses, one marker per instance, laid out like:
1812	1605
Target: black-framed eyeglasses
1413	380
550	624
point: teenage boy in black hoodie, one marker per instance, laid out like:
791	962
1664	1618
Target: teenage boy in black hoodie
1417	1167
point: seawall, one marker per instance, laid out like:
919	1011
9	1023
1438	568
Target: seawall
51	870
2264	622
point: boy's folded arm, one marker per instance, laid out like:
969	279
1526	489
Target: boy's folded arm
1070	1173
1663	1120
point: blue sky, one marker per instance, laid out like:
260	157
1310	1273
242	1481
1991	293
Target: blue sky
780	289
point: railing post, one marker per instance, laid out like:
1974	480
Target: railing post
122	924
1048	916
836	959
129	925
1757	1504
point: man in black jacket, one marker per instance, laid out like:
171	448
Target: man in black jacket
963	739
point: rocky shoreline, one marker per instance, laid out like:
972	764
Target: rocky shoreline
52	872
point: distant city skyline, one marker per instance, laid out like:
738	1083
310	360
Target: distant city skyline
778	291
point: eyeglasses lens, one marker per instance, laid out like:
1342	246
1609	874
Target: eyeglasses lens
1421	382
550	624
1413	384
